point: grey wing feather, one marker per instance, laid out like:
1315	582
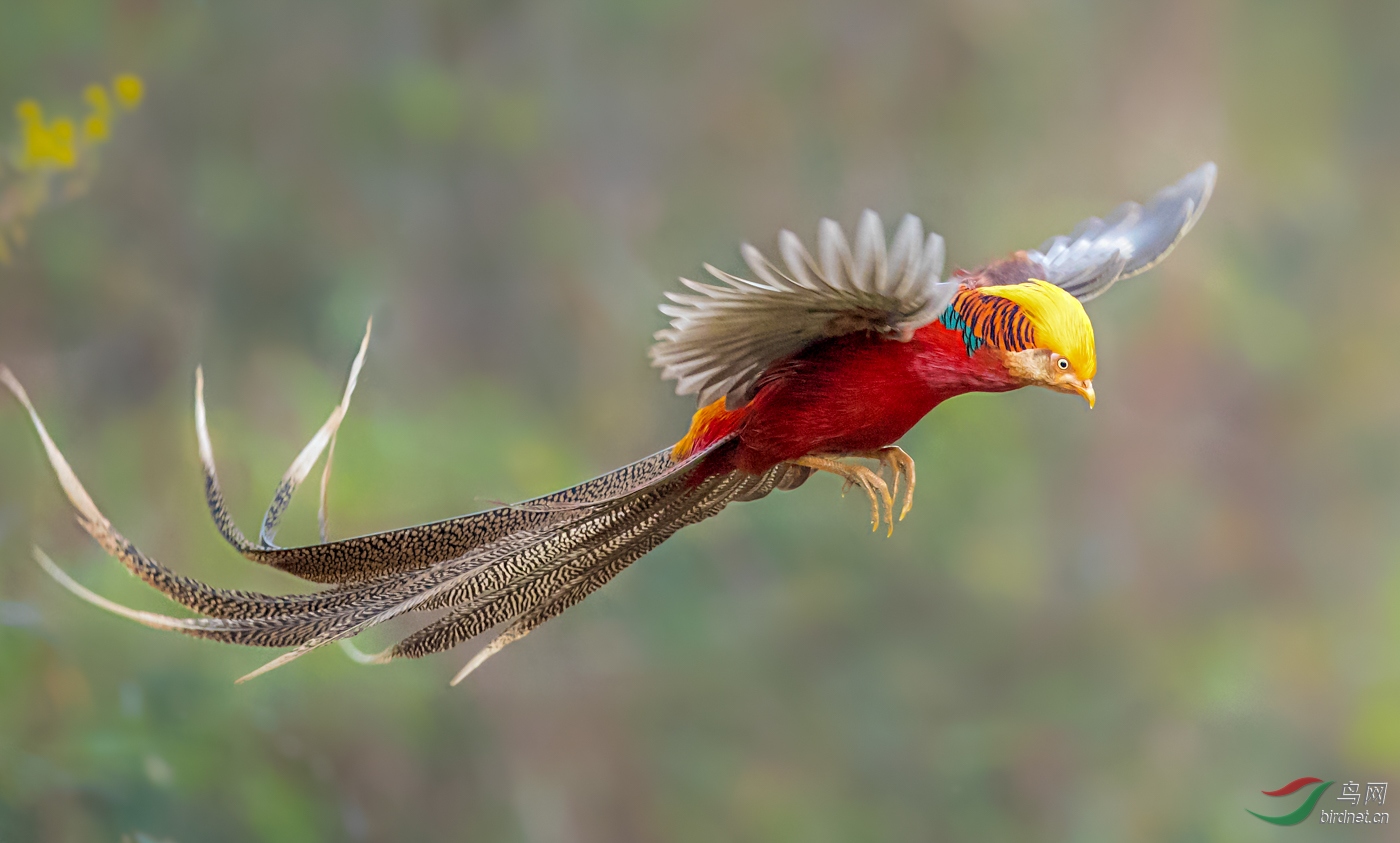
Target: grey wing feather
722	338
1132	240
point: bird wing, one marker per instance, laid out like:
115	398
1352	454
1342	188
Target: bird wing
1132	240
723	337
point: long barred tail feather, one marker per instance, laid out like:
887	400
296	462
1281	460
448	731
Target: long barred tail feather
365	558
517	555
302	465
291	479
650	520
518	565
187	592
596	576
257	619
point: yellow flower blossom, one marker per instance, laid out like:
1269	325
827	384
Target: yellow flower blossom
61	149
96	95
95	127
129	90
33	137
52	160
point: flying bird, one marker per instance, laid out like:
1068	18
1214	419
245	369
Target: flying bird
812	364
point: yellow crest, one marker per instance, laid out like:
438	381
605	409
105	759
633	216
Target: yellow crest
1059	321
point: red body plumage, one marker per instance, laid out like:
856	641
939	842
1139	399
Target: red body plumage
848	394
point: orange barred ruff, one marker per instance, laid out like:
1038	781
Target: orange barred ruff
995	320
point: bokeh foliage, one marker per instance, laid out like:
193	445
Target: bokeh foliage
1094	627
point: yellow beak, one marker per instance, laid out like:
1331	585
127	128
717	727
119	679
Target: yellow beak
1085	389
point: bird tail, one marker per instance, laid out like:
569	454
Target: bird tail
514	566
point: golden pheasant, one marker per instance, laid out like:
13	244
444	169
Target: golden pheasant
805	366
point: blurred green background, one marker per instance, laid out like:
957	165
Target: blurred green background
1107	626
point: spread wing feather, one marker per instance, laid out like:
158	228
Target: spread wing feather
1132	240
722	337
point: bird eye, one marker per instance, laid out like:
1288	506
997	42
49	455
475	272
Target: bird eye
1064	364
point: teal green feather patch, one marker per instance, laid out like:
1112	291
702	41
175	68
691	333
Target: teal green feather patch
954	321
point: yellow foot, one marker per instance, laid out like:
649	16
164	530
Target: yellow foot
858	475
899	463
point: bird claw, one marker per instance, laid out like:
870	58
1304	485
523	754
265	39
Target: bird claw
900	463
878	492
869	481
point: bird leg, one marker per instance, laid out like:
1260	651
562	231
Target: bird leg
899	463
873	485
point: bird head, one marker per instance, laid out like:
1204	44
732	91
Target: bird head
1061	356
